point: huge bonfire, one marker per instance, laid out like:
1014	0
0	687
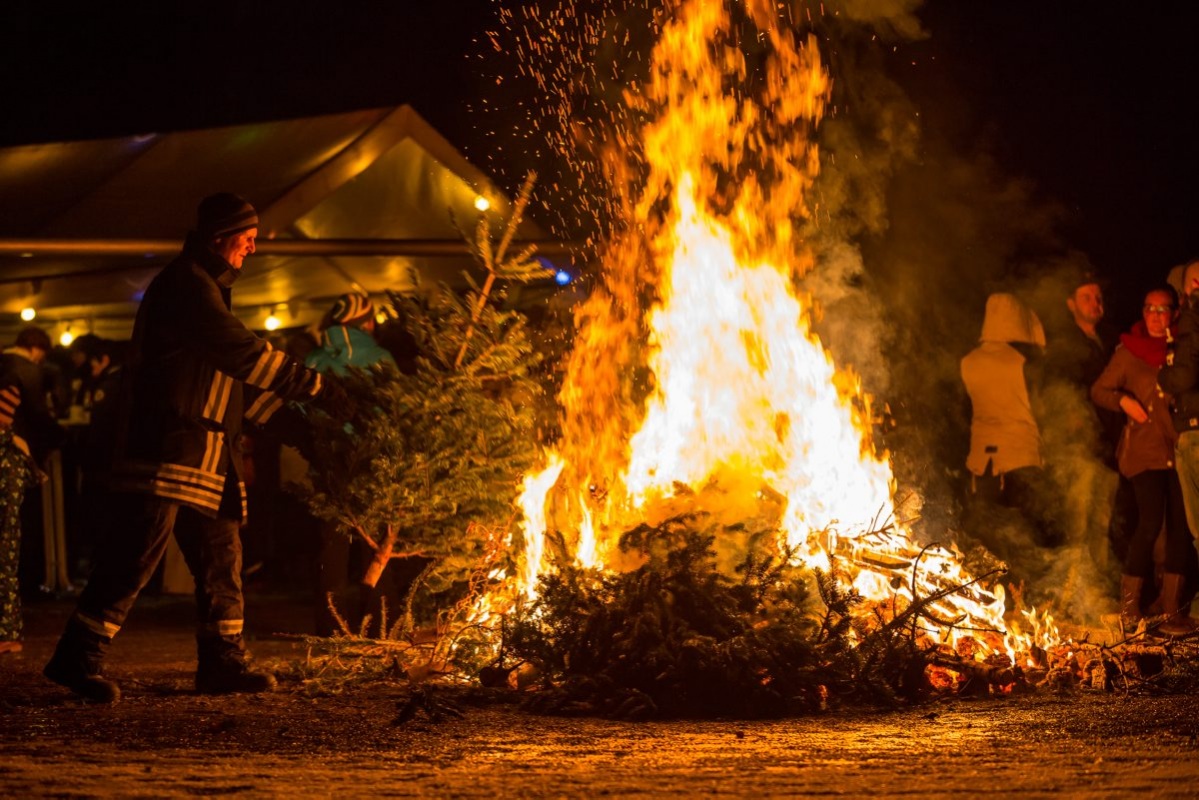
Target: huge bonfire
696	382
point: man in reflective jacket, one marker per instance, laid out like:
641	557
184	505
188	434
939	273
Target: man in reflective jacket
194	371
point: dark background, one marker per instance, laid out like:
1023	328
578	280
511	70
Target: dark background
93	72
1090	102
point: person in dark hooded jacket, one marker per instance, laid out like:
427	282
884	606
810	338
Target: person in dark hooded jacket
193	372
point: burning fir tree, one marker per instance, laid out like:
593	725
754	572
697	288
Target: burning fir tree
698	394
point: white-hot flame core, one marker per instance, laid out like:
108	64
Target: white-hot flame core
532	503
586	554
743	384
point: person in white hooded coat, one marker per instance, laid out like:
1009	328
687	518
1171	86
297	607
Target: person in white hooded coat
1005	461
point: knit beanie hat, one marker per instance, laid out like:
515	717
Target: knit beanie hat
351	309
224	214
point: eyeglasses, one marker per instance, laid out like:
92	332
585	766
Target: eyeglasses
1158	309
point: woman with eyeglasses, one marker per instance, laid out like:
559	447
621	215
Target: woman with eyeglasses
1145	456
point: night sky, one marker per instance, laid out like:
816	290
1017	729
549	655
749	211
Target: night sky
1088	101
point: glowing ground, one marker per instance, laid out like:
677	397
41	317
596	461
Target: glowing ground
162	740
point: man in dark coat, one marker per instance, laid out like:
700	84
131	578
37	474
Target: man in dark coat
1079	351
99	393
177	456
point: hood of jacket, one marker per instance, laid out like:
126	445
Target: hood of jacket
1009	320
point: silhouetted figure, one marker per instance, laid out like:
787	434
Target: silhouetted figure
1005	462
28	432
178	452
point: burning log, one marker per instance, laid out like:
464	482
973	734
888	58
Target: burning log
737	392
1161	651
993	674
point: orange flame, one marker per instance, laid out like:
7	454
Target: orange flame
742	394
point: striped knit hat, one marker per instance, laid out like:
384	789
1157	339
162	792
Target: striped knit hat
224	214
351	309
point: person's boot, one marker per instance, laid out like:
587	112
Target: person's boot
77	664
224	668
1130	600
1178	620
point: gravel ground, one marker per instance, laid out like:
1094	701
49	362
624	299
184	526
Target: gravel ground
164	740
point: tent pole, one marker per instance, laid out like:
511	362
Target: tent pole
429	248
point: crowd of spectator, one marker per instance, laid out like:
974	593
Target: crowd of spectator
1142	388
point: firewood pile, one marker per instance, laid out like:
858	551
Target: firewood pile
1140	663
1140	660
637	645
678	637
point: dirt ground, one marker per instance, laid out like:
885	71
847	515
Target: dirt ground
164	740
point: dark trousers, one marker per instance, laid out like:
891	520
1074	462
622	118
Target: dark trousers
1028	491
210	546
1159	497
1123	522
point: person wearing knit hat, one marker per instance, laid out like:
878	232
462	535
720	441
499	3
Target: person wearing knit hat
352	309
223	214
227	225
193	374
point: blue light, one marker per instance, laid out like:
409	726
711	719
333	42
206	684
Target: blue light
561	276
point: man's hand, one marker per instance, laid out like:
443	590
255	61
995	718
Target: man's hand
332	398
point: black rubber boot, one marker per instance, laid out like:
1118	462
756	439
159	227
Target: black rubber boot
224	668
77	664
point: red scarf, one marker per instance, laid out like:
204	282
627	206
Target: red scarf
1150	349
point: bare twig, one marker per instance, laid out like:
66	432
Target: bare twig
495	263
